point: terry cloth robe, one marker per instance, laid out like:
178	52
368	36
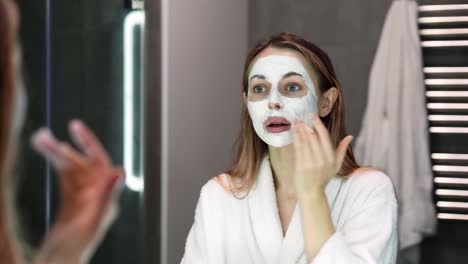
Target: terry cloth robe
228	230
394	133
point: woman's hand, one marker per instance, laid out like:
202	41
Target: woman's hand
316	161
89	186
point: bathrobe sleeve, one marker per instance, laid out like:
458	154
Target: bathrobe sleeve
369	231
205	239
195	245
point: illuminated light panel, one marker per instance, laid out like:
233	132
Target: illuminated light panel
445	19
133	179
446	94
446	81
444	43
447	180
457	130
460	106
445	204
447	192
449	156
443	31
428	8
461	118
446	69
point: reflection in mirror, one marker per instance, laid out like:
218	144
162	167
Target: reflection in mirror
84	60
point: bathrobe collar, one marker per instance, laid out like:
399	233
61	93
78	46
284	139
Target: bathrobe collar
266	223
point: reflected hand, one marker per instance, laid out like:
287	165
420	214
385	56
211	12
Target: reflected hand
89	187
316	161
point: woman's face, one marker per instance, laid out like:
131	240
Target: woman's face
282	87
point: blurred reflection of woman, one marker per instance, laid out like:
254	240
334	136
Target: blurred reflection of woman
88	182
304	197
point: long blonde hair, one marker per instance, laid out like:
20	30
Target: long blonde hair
250	148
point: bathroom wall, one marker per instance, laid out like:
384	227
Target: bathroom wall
205	45
349	32
346	30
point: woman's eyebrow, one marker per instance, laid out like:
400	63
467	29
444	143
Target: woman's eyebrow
291	73
260	76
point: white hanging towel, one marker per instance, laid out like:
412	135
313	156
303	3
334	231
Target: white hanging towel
394	132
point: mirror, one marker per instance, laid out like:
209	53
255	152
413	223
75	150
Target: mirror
84	59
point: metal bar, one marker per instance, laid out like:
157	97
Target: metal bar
452	216
443	31
447	180
460	118
444	43
48	87
447	130
165	88
445	69
429	8
446	81
444	19
446	204
450	168
446	94
449	156
456	106
447	192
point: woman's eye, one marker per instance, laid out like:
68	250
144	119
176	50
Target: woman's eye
293	88
259	89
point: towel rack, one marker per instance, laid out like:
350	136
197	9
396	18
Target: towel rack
443	31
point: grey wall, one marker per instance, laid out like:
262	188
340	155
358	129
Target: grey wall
347	30
207	42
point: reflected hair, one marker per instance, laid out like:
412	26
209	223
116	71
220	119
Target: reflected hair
250	149
7	93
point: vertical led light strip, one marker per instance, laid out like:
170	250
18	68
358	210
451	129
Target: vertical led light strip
133	179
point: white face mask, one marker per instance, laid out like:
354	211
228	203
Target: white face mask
272	69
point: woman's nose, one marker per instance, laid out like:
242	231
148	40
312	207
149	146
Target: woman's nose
274	106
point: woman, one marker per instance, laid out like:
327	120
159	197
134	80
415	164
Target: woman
305	199
88	182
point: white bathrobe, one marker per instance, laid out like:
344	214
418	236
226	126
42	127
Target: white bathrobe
232	231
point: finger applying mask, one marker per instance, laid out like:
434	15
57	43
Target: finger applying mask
59	154
87	142
89	188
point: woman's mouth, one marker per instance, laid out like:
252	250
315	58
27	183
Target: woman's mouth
277	124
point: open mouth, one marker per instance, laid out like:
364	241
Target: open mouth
277	124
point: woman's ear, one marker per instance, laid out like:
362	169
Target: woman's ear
327	100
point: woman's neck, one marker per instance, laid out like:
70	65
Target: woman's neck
282	167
